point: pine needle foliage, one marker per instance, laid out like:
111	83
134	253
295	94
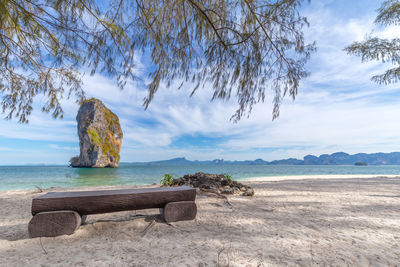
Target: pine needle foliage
384	50
241	47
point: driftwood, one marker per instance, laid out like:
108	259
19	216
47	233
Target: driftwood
39	189
216	193
147	229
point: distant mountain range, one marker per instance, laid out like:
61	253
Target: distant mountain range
338	158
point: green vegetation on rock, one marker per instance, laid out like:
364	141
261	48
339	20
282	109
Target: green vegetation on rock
105	144
112	120
227	176
94	136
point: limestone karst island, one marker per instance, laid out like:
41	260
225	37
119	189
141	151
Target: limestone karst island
100	136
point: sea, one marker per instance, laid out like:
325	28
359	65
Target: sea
31	177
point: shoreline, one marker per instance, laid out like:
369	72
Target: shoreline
261	179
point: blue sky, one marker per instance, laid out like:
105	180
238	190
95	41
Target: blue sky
338	108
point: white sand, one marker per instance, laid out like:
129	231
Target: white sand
339	222
318	176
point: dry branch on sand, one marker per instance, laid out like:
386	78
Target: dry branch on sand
213	183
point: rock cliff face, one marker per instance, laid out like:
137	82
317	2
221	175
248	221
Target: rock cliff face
100	136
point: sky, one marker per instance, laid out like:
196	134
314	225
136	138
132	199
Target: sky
338	108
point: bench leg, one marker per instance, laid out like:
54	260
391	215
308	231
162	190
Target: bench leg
179	211
54	223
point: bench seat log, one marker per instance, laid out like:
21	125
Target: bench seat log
179	211
54	223
61	213
104	201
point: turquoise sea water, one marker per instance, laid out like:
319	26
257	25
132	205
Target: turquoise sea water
26	177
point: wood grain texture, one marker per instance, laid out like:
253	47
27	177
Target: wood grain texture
96	202
179	211
54	223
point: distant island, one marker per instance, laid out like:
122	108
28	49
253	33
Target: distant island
360	163
338	158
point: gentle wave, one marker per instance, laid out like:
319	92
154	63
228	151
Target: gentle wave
27	177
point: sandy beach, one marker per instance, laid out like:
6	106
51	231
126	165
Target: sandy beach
296	222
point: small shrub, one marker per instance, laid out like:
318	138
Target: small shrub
167	180
227	176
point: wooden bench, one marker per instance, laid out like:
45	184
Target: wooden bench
60	213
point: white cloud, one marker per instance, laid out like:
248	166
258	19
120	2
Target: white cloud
6	149
41	127
68	148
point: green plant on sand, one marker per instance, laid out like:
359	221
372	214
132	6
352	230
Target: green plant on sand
227	176
167	180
